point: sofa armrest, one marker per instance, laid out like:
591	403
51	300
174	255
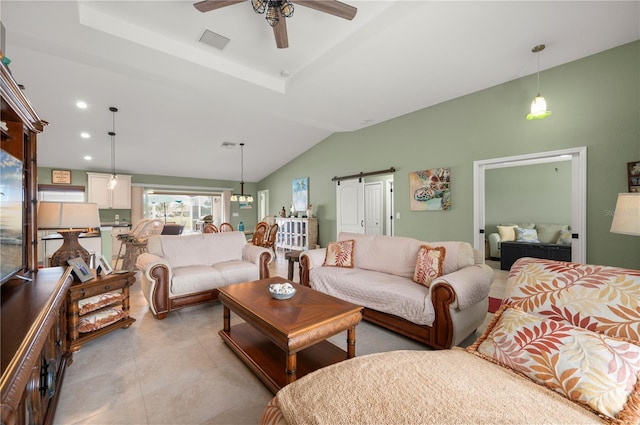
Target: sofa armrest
308	260
259	256
470	284
494	245
155	282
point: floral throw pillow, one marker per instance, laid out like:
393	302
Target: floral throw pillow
564	238
526	235
339	254
429	265
588	368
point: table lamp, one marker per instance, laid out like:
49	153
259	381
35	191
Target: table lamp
69	219
626	218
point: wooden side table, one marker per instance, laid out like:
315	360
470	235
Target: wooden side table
96	286
293	257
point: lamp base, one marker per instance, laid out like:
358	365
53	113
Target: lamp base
70	248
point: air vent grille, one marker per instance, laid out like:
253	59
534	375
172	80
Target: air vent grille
214	40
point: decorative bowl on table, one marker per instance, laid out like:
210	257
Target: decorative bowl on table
282	291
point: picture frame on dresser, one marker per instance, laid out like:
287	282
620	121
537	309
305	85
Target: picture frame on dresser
80	269
104	266
633	176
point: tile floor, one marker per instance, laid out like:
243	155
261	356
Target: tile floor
178	371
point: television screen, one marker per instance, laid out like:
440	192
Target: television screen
11	216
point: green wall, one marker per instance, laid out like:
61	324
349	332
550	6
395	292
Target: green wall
537	193
595	103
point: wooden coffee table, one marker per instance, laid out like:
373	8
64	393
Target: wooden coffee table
282	340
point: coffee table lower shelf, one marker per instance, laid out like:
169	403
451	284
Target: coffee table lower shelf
269	362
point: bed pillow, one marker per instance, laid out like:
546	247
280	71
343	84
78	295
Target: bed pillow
526	235
507	233
589	368
339	254
429	265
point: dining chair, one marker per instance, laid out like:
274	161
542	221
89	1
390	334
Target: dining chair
226	227
260	233
210	228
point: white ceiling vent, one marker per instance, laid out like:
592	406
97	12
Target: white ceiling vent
228	145
212	39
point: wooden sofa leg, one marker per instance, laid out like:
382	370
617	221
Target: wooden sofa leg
161	316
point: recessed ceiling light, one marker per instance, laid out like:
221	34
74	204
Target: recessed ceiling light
88	157
85	135
82	105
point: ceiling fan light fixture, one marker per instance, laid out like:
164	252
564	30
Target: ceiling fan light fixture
259	6
272	15
286	8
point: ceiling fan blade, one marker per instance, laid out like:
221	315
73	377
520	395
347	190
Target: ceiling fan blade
208	5
280	31
332	7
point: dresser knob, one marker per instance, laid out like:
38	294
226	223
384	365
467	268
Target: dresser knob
107	287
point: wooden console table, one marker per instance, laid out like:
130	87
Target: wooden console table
34	346
96	286
511	251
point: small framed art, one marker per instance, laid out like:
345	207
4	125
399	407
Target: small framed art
80	269
633	176
104	266
61	176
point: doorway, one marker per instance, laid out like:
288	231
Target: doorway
263	204
578	158
365	205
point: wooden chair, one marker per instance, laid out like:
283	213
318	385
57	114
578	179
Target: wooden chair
270	242
210	228
260	233
226	227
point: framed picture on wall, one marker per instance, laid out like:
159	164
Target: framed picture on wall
633	176
300	193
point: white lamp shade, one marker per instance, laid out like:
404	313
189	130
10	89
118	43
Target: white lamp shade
626	218
67	215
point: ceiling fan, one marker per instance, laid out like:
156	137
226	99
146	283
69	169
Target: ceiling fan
278	10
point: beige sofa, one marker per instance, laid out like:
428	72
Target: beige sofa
180	271
381	280
546	234
564	349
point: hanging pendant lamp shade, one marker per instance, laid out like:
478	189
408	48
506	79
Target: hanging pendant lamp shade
539	104
242	197
113	181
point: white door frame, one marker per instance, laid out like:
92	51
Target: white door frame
389	229
578	157
263	194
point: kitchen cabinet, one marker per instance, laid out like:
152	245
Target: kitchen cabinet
99	193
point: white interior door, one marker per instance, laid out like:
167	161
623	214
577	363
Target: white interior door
263	204
350	206
373	208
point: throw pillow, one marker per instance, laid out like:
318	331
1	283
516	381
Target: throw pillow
339	254
564	238
507	233
429	265
526	235
586	367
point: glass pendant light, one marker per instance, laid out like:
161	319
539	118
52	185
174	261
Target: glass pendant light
113	181
539	105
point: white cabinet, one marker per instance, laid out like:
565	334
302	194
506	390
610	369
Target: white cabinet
299	234
99	193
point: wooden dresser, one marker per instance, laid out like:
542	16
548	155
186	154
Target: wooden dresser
34	346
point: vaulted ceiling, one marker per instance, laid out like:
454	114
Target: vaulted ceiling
179	100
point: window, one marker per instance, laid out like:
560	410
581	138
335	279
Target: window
187	209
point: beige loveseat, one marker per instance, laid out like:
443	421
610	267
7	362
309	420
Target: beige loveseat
179	271
559	234
441	315
564	349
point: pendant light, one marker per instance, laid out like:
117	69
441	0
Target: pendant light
242	197
539	105
113	181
